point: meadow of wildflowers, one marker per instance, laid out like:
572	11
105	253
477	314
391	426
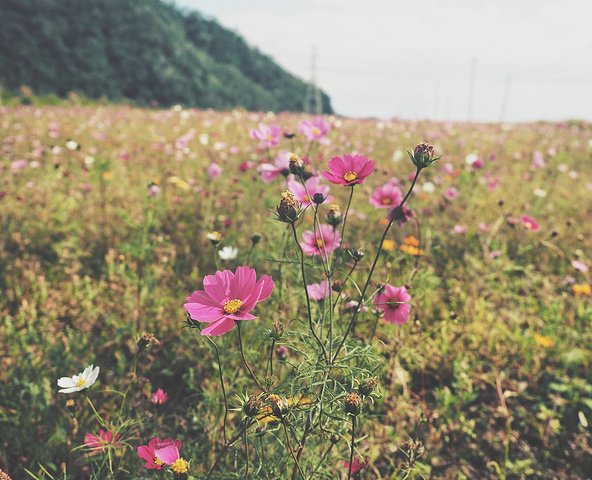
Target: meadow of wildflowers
225	295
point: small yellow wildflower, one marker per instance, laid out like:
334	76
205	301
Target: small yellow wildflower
388	245
411	240
544	341
583	289
108	175
411	250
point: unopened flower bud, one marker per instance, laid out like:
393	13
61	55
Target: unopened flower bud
368	385
255	239
353	404
423	155
277	331
288	209
252	406
278	405
334	215
318	198
296	165
357	255
335	438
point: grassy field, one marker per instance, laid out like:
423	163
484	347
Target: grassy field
107	216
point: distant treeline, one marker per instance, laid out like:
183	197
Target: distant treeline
142	50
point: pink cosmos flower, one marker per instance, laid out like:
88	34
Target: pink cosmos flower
318	291
581	266
267	136
214	170
326	240
494	254
387	196
393	301
315	129
401	215
451	193
356	465
102	441
447	168
158	453
159	397
529	223
281	166
349	170
537	159
477	163
228	297
460	229
312	185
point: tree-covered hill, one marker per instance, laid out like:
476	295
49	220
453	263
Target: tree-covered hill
143	50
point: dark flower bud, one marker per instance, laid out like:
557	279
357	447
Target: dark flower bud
252	406
318	198
277	331
289	209
368	385
423	155
357	255
353	404
255	239
335	438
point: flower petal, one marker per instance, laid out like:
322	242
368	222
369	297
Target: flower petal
218	328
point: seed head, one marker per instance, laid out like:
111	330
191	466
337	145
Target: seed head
368	385
334	215
353	404
288	210
296	165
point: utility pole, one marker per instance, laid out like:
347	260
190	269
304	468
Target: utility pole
312	100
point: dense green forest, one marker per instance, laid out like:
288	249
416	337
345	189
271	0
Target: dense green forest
142	50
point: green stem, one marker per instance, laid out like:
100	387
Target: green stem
221	383
240	343
246	454
367	284
351	454
291	450
306	292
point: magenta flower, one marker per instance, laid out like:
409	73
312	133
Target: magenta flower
315	129
401	215
267	136
387	196
312	185
158	453
325	241
356	465
102	441
349	170
159	397
393	301
228	297
529	223
318	291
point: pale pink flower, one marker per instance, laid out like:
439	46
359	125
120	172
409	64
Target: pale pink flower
394	302
268	136
102	441
318	291
483	227
326	240
581	266
387	196
459	229
349	170
159	397
228	297
447	169
537	159
312	185
494	254
316	129
451	193
281	166
214	170
529	223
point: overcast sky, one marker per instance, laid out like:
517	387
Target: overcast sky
416	58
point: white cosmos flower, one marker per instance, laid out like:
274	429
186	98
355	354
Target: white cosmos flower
228	253
79	382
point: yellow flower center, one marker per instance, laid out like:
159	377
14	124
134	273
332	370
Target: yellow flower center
386	201
158	461
233	306
306	198
315	131
320	243
80	382
179	466
350	176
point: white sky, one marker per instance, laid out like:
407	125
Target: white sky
414	58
